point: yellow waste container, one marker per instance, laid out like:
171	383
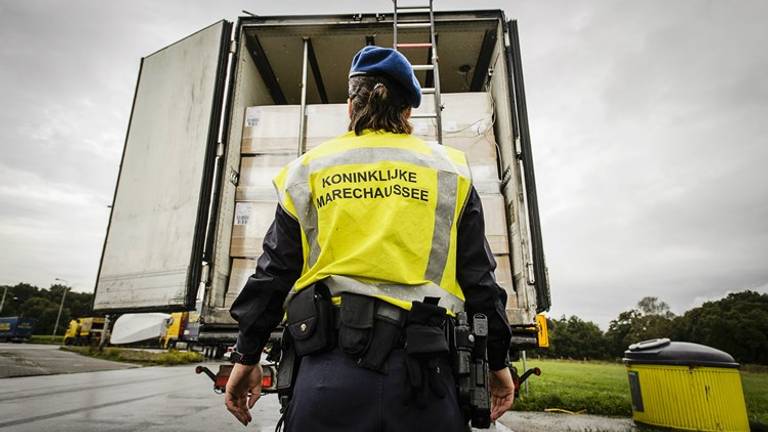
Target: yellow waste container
684	385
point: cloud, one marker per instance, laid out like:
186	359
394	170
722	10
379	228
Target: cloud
652	182
647	121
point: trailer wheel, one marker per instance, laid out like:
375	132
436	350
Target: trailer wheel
219	352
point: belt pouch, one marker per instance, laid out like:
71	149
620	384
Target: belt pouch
310	320
425	332
387	331
356	323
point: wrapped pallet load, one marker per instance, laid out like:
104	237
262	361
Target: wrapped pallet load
467	120
270	140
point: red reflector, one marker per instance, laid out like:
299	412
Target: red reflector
266	381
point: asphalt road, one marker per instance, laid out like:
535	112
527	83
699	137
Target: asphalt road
155	399
136	399
31	359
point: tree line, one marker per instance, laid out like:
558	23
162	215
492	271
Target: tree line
42	304
736	324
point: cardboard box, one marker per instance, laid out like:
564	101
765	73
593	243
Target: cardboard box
505	279
252	220
480	150
325	122
256	174
495	222
241	270
464	115
503	272
271	129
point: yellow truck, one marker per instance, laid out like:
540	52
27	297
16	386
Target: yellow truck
84	331
174	331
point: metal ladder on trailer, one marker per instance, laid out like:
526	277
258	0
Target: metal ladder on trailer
433	64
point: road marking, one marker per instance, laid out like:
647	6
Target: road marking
12	397
77	410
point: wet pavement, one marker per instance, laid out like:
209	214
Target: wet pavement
164	399
141	399
32	359
548	422
153	399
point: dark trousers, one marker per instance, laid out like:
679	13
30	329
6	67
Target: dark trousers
332	393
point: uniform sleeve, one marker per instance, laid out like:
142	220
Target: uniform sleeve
474	271
259	306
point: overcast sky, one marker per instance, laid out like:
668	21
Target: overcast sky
648	121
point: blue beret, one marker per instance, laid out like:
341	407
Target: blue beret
374	60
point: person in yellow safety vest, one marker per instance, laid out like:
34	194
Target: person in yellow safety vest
389	229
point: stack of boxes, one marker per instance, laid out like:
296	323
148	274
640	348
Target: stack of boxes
468	126
270	140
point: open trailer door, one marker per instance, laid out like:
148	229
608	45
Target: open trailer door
538	275
153	251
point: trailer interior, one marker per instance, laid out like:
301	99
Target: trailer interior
473	58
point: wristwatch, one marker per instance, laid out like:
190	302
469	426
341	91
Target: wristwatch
244	359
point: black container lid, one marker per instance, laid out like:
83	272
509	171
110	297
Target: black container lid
665	352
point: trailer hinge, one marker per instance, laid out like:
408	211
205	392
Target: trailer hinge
357	17
220	149
234	176
233	46
529	268
518	147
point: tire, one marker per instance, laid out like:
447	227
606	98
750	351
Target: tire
219	352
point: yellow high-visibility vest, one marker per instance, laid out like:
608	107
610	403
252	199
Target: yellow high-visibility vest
378	215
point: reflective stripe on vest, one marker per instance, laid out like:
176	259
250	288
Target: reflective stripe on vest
400	295
294	186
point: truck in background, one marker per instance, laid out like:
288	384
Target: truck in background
84	331
187	163
174	335
16	329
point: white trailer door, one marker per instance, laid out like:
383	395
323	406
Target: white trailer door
152	254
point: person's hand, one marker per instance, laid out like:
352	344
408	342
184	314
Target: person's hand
243	390
502	392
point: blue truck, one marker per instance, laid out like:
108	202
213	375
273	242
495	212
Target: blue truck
16	329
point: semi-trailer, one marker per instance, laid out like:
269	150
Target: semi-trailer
216	113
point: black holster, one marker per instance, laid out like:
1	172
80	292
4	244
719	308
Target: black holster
425	346
286	371
369	329
470	366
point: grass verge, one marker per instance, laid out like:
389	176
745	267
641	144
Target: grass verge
46	339
149	358
591	387
602	388
756	392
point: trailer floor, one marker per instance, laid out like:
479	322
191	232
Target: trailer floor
22	359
